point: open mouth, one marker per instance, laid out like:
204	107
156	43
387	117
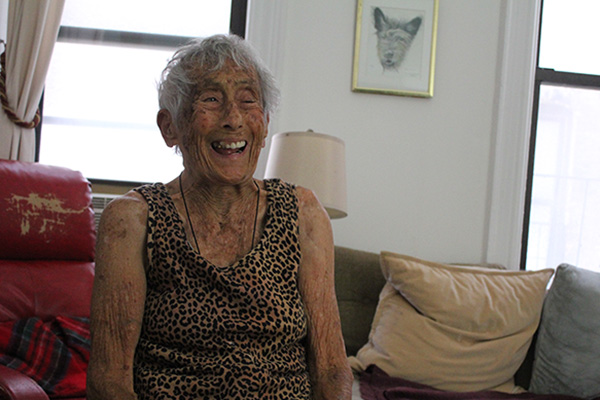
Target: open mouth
227	148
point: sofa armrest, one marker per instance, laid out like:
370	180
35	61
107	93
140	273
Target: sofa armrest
17	386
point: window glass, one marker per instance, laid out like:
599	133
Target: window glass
569	36
564	222
100	99
174	17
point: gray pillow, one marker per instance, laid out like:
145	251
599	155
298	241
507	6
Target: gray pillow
567	354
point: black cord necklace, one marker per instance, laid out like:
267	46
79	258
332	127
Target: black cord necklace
190	220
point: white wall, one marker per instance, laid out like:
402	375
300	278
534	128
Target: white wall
418	169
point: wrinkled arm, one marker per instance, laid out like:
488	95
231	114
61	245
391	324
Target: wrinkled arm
330	373
118	299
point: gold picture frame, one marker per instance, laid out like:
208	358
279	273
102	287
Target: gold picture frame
394	47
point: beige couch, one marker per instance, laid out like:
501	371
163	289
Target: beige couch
560	355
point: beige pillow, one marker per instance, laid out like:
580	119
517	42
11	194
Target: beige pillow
453	327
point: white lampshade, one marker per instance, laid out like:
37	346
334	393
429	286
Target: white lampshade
315	161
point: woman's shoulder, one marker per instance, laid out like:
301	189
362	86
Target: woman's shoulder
311	211
125	208
152	189
306	197
276	184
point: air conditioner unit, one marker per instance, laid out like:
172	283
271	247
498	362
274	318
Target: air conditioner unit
99	203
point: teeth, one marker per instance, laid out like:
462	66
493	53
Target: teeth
231	146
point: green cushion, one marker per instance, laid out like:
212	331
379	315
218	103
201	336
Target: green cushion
567	354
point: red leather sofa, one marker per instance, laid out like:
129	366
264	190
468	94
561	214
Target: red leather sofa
47	240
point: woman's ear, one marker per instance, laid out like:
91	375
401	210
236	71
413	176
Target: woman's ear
164	120
264	139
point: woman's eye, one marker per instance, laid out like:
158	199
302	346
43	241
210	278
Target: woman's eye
249	100
248	97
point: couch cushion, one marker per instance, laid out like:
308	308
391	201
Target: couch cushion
46	213
567	353
45	289
455	328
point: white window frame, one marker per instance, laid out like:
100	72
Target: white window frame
508	176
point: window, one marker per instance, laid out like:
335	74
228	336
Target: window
562	222
100	99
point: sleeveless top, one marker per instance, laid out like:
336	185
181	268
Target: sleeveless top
212	332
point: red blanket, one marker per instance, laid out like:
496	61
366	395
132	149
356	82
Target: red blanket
55	353
375	384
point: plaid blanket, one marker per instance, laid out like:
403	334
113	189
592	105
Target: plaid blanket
53	353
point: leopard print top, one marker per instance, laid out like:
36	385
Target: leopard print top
211	332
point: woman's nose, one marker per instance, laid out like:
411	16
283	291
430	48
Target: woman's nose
232	118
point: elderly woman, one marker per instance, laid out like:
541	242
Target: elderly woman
216	285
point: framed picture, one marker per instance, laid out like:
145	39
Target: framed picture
394	47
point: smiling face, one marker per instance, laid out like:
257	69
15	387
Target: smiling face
227	128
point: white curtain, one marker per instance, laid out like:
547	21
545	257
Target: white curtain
32	28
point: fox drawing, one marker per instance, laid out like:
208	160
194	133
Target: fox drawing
394	38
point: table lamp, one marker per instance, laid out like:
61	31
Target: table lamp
315	161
